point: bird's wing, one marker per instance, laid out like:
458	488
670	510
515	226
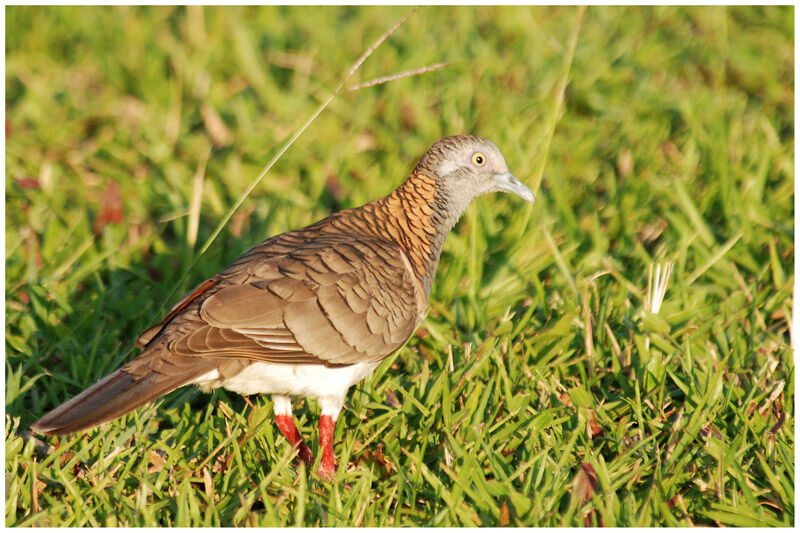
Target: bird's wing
334	301
148	334
276	246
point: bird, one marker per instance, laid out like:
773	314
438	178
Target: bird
308	312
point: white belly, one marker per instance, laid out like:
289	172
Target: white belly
290	379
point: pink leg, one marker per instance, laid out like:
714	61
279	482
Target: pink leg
327	465
286	424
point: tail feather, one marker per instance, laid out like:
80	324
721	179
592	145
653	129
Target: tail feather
109	398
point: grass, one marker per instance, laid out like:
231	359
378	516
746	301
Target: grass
543	388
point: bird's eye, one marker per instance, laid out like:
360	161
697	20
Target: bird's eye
478	159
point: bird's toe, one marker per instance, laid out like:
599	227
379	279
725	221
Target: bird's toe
304	453
326	471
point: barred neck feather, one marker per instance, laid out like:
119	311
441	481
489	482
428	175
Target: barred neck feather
414	216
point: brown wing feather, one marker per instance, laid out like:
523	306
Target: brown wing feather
276	246
330	301
151	332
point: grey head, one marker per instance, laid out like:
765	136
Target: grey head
465	167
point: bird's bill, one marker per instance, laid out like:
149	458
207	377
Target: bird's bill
508	183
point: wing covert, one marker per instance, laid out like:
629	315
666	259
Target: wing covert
329	301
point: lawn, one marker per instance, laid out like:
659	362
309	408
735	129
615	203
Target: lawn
548	384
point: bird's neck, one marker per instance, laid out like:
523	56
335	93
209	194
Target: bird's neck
417	218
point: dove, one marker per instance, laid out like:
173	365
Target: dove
309	312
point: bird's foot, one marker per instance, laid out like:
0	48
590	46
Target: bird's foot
285	423
327	464
304	453
327	469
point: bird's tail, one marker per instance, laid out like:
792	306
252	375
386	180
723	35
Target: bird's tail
110	398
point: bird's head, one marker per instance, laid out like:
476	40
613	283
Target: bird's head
465	167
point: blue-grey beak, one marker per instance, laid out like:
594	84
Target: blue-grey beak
508	183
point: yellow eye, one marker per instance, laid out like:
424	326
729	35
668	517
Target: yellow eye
478	159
